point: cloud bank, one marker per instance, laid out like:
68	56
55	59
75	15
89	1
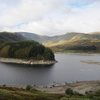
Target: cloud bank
50	17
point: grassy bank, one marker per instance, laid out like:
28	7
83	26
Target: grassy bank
12	93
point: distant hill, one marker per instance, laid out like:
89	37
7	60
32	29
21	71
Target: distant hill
33	36
21	36
8	36
75	41
68	41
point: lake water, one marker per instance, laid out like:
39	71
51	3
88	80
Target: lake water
70	68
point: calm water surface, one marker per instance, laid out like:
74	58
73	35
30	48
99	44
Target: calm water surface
70	68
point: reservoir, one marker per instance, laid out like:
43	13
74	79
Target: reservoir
69	68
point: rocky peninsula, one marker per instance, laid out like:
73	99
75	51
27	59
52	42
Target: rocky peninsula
26	52
27	62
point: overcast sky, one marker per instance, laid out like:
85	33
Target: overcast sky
50	17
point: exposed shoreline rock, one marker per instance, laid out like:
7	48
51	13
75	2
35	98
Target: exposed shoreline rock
81	87
26	61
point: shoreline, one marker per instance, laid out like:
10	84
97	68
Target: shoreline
80	86
26	61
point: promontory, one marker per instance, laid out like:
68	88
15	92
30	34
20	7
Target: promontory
26	52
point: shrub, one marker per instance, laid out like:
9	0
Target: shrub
28	87
69	91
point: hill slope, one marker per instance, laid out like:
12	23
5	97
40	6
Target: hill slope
75	41
69	41
8	36
22	36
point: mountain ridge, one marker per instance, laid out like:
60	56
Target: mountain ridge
43	38
68	41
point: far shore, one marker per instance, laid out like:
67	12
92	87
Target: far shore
27	62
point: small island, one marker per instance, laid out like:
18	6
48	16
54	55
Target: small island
26	52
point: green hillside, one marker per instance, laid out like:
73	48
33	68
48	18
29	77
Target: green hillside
77	41
25	50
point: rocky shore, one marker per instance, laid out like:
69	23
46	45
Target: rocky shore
26	61
81	87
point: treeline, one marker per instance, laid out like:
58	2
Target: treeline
82	47
77	48
25	50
